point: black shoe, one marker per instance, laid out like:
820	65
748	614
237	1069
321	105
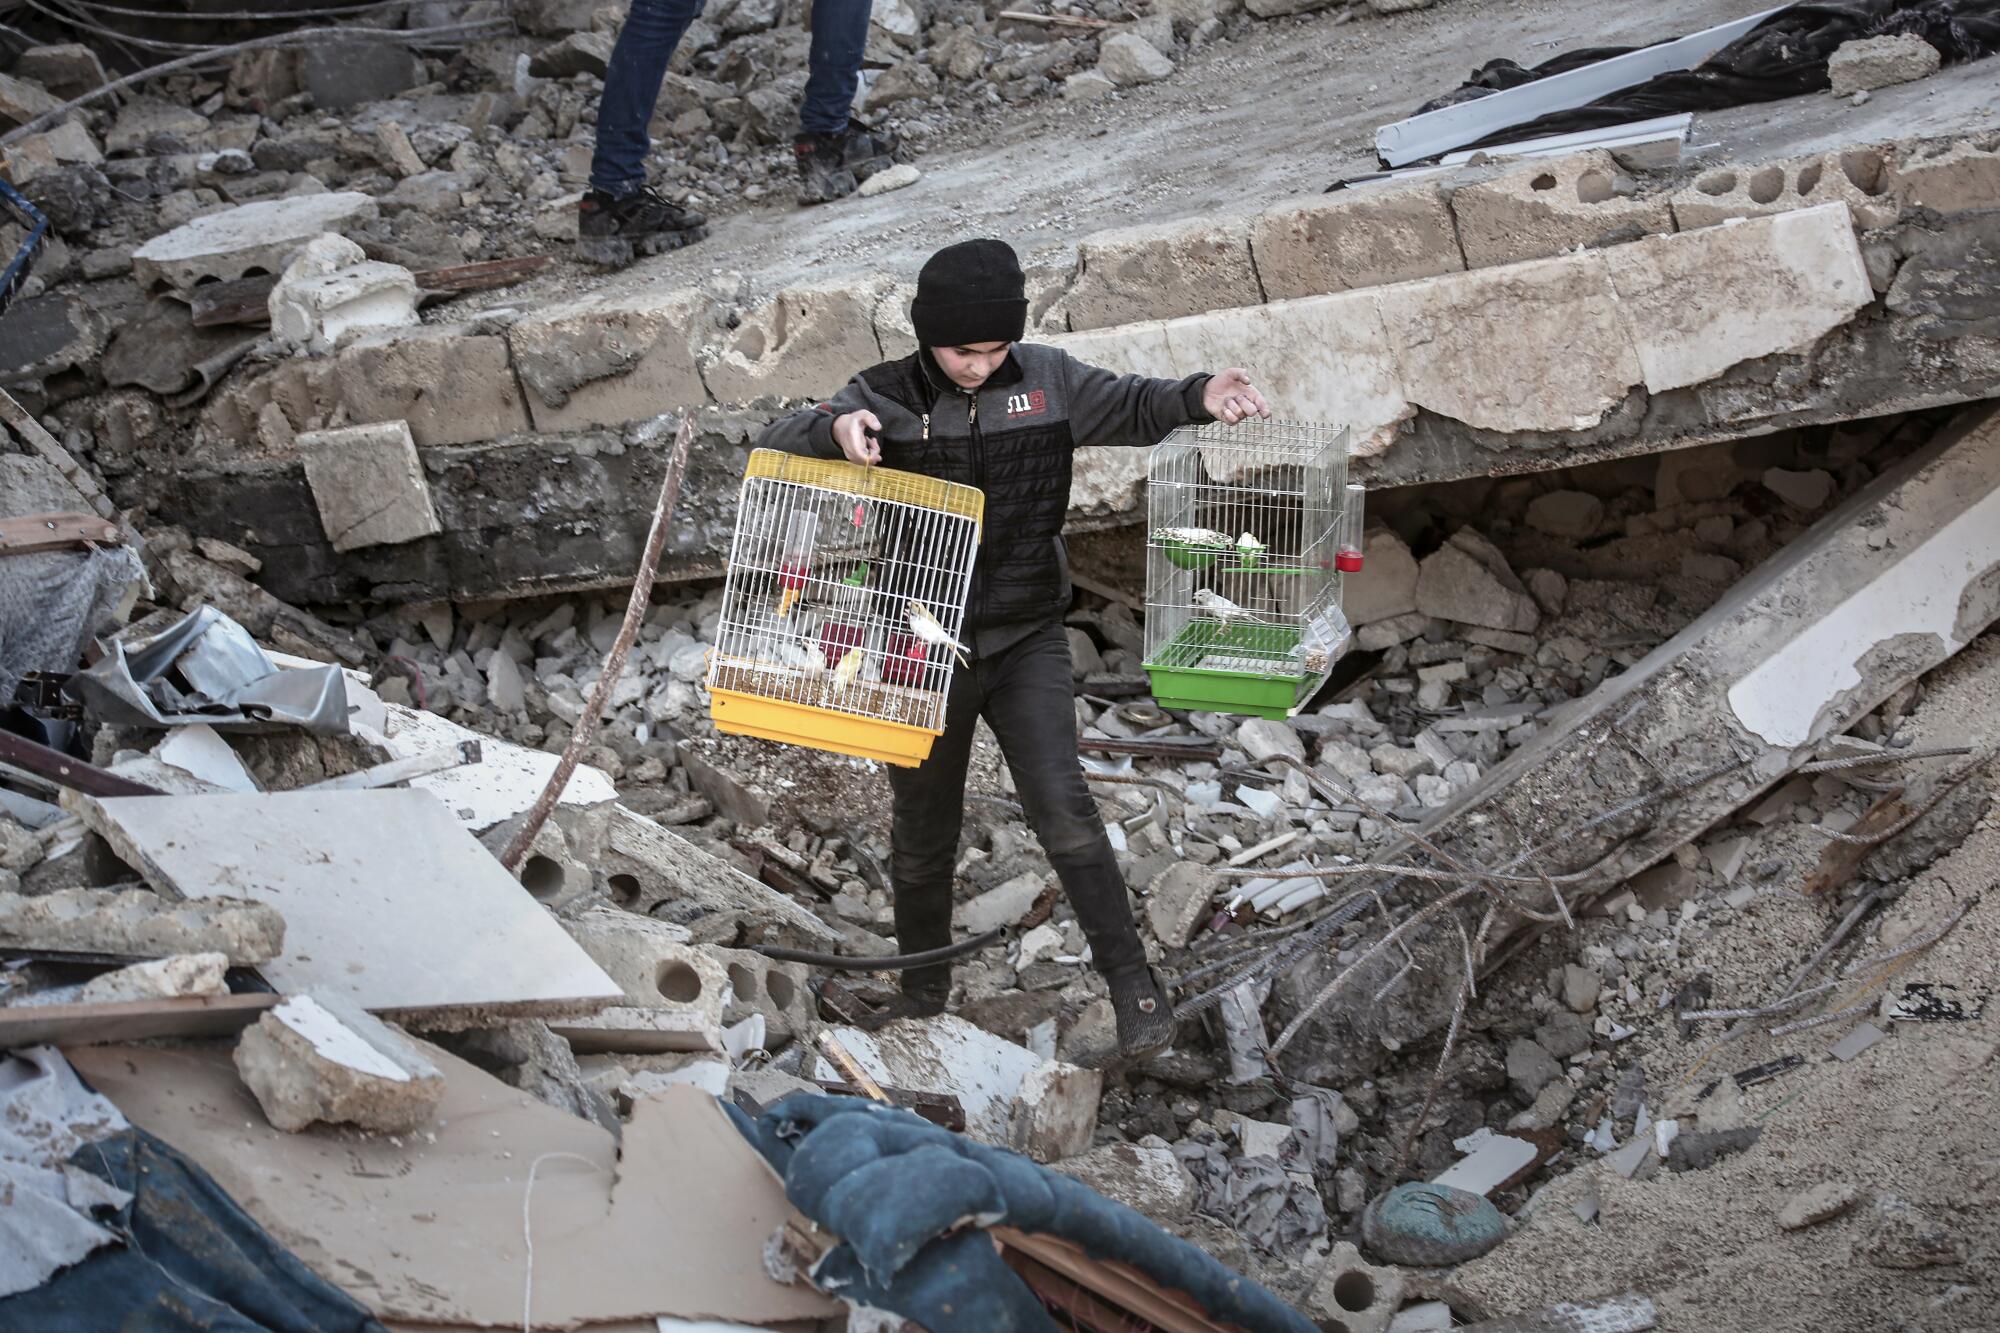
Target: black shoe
832	166
909	1004
616	230
1144	1011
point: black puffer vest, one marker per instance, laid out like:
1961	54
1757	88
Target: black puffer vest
1012	440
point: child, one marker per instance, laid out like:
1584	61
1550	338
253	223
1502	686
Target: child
976	405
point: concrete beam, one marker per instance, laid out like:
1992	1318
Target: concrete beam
1879	591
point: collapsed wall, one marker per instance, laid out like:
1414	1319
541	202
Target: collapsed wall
1517	318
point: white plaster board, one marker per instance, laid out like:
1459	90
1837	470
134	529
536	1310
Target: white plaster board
1448	127
1782	697
197	751
333	1040
505	781
387	901
947	1055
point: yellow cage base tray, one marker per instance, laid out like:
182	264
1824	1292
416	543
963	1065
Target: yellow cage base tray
742	714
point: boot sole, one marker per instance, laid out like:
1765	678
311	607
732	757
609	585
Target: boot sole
618	251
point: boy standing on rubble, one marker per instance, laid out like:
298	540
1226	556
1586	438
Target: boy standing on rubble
977	406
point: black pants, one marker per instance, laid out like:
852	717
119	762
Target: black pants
1024	694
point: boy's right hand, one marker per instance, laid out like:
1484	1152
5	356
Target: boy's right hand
856	433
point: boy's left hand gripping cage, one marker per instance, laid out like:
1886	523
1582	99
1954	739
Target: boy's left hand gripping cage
843	609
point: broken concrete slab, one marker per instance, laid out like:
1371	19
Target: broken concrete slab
1162	270
136	922
1822	1203
609	361
1547	206
172	978
1355	238
803	343
1003	905
1888	584
1880	62
1151	1181
1946	176
66	69
321	1059
1012	1097
1858	177
346	72
316	303
245	240
652	869
1459	344
1685	305
369	485
336	865
675	994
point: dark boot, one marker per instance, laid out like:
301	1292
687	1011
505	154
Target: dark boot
916	1001
1144	1010
832	166
615	231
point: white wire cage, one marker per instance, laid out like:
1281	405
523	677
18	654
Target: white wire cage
1248	530
843	598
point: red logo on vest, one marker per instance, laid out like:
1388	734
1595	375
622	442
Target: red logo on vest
1030	404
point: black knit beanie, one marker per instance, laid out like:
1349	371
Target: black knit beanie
968	293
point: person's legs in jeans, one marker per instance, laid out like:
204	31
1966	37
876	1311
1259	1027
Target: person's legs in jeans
839	32
929	811
1030	704
638	65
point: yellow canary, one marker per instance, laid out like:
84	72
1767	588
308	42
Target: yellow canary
849	668
786	600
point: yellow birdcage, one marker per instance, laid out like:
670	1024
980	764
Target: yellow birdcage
843	606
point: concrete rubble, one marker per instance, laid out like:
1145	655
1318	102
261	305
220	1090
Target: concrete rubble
1674	657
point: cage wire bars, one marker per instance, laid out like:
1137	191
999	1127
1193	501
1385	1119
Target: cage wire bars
1249	528
842	605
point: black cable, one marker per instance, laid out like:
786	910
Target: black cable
840	962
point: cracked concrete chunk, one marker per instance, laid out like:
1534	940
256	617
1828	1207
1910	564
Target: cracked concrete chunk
1902	1235
1954	176
330	289
1539	346
1386	587
321	1058
1162	271
161	979
369	485
1149	1180
804	342
1179	901
606	361
1880	62
1697	304
1129	60
1468	580
1354	238
137	922
251	238
1822	1203
1551	205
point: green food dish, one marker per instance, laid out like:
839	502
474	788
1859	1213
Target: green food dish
1190	555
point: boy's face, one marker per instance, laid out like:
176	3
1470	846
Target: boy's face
972	365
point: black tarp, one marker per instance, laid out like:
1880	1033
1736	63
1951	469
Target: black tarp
191	1261
1785	56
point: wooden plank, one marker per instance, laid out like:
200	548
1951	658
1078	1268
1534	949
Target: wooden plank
1841	859
135	1020
22	422
1186	748
53	532
481	276
1118	1284
64	771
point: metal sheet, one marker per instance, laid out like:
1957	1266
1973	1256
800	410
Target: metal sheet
1440	131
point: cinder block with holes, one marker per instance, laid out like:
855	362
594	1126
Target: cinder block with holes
1857	177
676	993
1353	1295
1547	206
551	872
1947	176
758	985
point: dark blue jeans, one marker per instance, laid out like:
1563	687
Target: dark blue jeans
1025	695
653	28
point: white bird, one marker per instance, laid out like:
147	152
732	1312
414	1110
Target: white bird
1222	609
926	627
1195	536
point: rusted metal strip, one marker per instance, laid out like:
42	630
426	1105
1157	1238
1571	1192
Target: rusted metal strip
64	771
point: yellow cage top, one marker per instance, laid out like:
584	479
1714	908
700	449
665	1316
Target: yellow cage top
874	483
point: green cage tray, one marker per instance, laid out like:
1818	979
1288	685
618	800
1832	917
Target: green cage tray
1188	672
